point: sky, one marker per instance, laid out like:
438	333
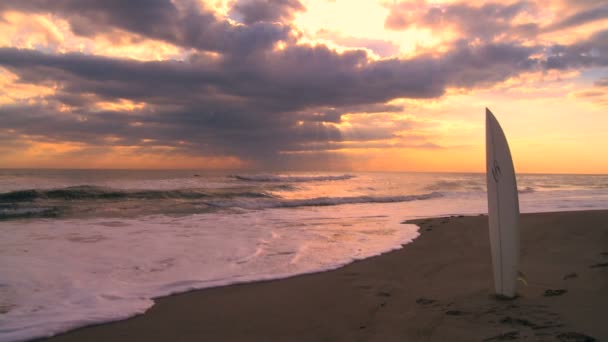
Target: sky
361	85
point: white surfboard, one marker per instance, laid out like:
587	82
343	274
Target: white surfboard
503	209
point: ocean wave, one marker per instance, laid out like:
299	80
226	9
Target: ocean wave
295	179
526	190
23	213
89	192
455	185
316	202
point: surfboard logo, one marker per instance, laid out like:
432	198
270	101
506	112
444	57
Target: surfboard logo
496	173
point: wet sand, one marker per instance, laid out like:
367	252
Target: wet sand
439	288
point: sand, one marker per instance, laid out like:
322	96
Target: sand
438	288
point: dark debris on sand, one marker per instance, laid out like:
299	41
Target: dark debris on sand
425	301
526	323
455	313
511	335
553	293
575	337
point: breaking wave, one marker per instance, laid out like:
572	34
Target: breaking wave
9	213
320	201
526	190
89	192
87	200
295	179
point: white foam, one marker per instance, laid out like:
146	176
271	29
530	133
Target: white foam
62	274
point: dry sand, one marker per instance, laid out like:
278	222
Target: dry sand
436	289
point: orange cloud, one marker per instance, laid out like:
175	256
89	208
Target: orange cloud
12	91
51	33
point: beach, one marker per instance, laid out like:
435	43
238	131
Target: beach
438	288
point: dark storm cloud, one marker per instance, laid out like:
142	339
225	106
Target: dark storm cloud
253	11
484	22
278	100
47	124
188	25
299	77
186	131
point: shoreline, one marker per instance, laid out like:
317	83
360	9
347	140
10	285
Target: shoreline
438	287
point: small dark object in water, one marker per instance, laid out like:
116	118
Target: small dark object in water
197	175
574	336
424	301
553	293
570	275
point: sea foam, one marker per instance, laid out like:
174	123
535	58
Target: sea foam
62	274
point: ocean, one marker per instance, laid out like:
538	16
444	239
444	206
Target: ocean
79	247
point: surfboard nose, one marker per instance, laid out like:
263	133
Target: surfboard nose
489	113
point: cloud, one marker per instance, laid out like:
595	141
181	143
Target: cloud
591	52
519	20
280	81
579	18
279	100
589	93
254	11
485	22
249	99
602	82
383	48
188	25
